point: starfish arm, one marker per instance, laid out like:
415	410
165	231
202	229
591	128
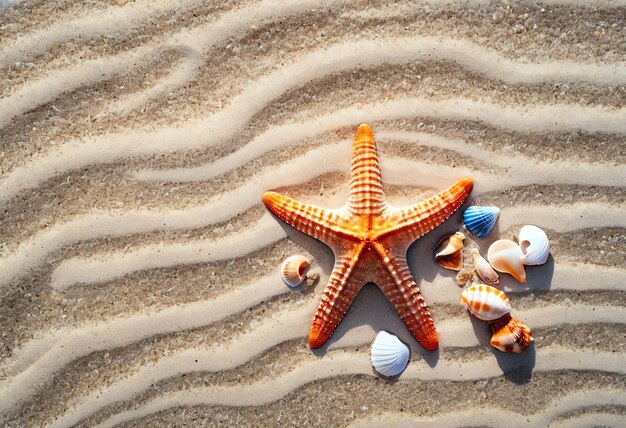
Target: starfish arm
320	223
416	220
366	188
343	286
397	283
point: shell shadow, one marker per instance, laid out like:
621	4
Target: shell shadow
517	368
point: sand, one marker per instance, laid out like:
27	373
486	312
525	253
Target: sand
139	280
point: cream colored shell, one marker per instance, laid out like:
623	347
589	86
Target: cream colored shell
293	270
506	256
484	269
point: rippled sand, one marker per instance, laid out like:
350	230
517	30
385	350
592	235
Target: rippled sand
139	277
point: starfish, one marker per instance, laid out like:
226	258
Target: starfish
370	239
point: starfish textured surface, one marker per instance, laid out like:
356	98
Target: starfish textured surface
370	239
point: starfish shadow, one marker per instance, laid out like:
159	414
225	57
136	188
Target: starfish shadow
420	255
372	310
322	254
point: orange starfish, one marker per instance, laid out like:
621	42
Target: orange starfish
370	239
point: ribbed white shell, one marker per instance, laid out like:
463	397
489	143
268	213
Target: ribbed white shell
389	355
506	256
534	244
293	270
485	302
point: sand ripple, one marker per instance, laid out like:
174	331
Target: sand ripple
138	274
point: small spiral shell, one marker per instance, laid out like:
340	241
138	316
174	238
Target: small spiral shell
449	252
293	270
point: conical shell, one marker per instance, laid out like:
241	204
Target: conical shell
510	335
534	244
506	256
449	252
484	269
480	220
389	355
293	270
485	302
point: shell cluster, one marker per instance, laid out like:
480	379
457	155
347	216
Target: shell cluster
503	255
492	305
293	270
389	355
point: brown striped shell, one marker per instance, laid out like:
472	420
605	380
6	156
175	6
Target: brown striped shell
293	270
510	335
485	302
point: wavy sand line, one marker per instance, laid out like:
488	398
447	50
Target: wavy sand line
338	58
501	417
116	19
593	420
333	365
524	170
279	328
188	66
227	205
46	89
116	264
59	347
222	125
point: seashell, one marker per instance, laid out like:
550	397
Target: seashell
510	335
293	270
480	220
485	302
534	244
449	252
389	355
484	269
506	256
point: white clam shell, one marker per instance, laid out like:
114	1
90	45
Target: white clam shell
485	302
506	256
389	355
293	270
534	244
484	269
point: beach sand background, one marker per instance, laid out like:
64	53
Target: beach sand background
139	278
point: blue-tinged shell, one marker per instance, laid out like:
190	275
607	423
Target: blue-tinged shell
480	220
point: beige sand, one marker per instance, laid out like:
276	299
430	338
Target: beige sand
139	277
